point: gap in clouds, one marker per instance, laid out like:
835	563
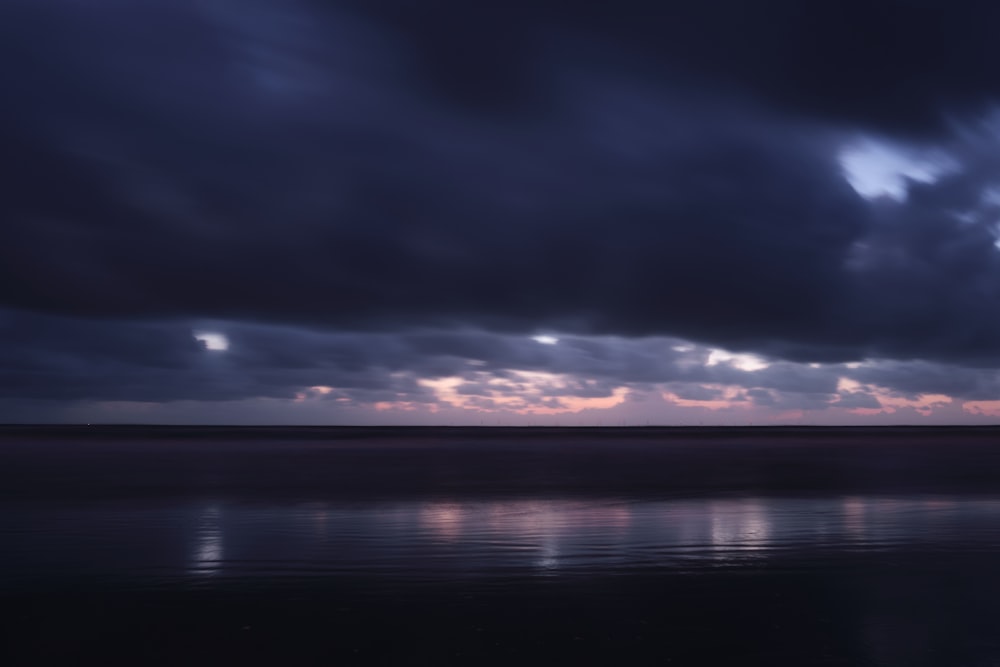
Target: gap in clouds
253	373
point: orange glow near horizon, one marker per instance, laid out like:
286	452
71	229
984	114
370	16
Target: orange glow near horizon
537	393
522	392
923	404
405	406
983	408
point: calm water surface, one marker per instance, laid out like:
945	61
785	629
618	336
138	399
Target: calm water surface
204	541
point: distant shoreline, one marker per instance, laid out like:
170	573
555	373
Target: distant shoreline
367	432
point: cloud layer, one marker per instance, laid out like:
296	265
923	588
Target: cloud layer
378	199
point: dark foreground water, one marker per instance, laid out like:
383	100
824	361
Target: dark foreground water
764	547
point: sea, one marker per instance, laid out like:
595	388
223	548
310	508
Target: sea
157	545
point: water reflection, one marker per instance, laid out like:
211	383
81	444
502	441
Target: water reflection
208	555
320	517
444	520
540	528
854	516
739	525
561	535
469	537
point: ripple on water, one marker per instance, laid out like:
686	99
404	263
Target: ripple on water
203	541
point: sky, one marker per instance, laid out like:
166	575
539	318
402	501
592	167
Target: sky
546	212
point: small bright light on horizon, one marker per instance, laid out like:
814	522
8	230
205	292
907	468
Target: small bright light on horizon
545	340
213	341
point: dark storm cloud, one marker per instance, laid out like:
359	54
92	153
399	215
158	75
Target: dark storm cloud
902	66
428	216
368	182
933	263
698	392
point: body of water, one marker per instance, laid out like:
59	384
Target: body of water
181	551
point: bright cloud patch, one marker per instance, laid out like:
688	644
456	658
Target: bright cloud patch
875	169
212	341
743	362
